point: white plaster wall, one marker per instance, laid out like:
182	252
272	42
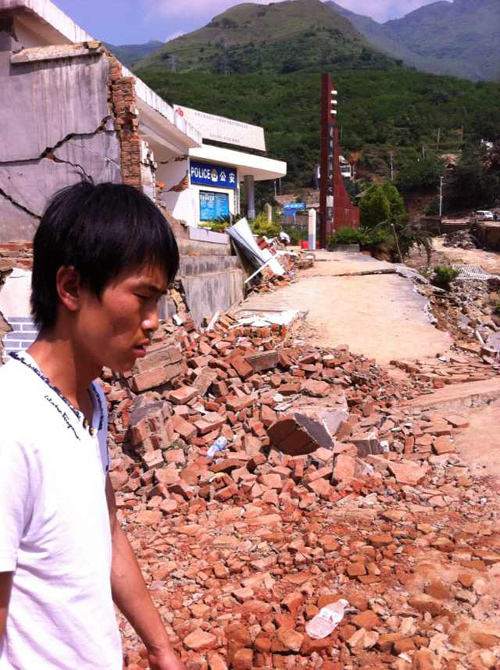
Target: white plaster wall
15	294
53	16
28	38
185	205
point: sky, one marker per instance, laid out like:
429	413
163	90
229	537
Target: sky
137	21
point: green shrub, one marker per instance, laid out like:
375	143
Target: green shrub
261	226
347	236
432	208
497	309
444	276
217	225
296	236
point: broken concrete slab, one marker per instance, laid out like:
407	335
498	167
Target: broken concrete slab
460	396
347	308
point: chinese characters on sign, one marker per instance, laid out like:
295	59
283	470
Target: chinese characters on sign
221	129
331	167
213	205
213	175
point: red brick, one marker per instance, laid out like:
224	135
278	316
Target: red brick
266	360
316	388
443	445
407	473
243	369
237	403
182	395
185	429
290	389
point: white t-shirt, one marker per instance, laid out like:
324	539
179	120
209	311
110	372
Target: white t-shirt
54	528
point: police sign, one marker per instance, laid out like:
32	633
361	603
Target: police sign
213	175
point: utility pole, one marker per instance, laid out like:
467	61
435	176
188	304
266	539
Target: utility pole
438	138
441	180
391	156
172	63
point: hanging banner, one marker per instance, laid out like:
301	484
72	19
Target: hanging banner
213	205
213	175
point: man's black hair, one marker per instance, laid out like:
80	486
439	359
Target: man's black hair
101	230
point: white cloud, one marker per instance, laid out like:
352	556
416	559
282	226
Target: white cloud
189	9
383	10
173	36
189	12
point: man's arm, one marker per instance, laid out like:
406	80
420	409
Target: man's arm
5	588
132	597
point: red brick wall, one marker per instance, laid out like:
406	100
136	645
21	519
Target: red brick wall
16	254
123	101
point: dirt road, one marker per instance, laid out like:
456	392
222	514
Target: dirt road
487	260
378	315
479	444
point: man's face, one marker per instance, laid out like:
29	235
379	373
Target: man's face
115	329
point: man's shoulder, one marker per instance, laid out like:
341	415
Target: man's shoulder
17	388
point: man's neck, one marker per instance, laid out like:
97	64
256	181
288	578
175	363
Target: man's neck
65	367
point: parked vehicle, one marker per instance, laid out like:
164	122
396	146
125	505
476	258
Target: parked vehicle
484	215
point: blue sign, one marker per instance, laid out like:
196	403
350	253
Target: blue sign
291	208
213	205
213	175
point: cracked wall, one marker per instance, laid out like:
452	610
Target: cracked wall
58	127
123	103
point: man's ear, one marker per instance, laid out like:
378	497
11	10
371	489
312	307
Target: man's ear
69	288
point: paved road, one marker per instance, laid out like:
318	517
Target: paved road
380	316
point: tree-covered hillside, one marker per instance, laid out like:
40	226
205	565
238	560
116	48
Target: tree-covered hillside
399	111
459	38
130	54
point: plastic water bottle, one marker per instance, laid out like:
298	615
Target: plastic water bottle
327	620
219	444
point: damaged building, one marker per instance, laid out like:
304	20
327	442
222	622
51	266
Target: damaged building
71	110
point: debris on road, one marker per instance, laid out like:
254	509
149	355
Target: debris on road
243	550
461	239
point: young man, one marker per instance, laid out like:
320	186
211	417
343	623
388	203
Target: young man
103	255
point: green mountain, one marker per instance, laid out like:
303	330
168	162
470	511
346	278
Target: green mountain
377	34
278	38
130	54
458	38
261	63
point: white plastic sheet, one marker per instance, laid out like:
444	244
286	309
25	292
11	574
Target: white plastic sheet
242	235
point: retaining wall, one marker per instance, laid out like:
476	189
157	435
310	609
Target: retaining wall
213	279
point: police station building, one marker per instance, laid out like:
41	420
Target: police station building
204	185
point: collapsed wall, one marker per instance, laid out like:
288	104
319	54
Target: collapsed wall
58	127
71	114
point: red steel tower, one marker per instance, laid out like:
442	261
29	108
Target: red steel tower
336	209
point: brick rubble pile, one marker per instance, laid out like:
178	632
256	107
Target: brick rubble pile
242	550
461	239
291	261
470	313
